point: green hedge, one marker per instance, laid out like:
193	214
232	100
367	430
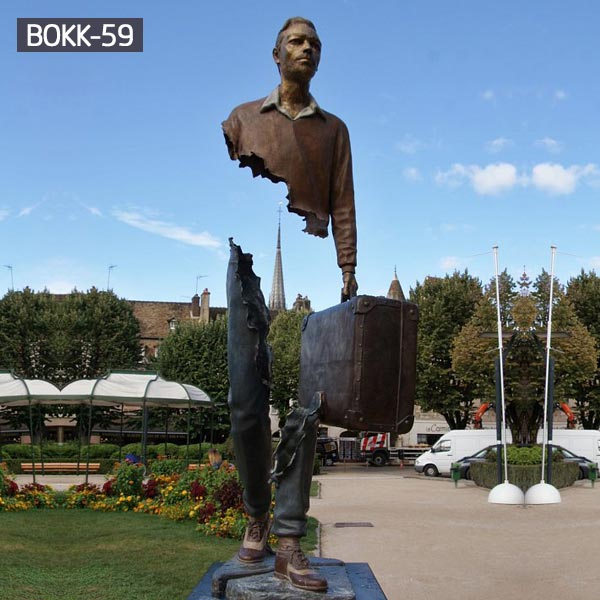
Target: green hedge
524	476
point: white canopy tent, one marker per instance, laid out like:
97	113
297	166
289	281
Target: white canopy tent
134	388
20	392
125	388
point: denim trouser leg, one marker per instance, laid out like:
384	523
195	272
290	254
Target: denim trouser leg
248	360
249	375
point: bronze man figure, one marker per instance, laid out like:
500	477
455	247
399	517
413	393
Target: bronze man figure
284	137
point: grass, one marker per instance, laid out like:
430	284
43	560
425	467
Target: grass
77	555
85	555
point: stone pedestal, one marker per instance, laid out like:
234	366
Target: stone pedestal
234	580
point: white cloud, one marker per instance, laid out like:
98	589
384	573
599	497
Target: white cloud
549	144
410	144
25	212
167	230
491	180
560	95
4	213
498	144
450	263
412	174
494	179
558	180
488	95
93	210
454	177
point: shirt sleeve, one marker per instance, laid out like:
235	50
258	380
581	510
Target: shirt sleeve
343	214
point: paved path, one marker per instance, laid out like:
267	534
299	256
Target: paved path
430	541
60	483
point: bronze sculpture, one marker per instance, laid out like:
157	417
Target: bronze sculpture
284	137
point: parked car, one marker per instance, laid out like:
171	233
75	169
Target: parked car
585	464
327	450
464	465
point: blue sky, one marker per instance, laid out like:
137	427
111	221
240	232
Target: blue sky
472	124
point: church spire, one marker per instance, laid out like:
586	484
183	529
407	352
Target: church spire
277	297
395	292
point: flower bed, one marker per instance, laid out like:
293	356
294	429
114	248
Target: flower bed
26	497
211	497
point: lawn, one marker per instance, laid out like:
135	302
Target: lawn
76	555
86	555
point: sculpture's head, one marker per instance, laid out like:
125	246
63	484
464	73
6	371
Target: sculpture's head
297	50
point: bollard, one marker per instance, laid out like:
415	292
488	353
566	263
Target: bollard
455	474
593	474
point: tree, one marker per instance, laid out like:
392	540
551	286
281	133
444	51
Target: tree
584	293
196	353
445	305
525	318
472	358
63	338
284	338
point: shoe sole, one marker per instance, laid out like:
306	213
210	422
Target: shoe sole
251	561
300	587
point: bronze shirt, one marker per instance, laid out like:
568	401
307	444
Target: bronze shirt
311	154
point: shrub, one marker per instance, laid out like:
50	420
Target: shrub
36	495
162	449
128	480
54	450
525	455
82	495
135	448
167	466
525	476
8	487
20	451
101	451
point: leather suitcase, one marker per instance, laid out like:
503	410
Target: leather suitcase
361	355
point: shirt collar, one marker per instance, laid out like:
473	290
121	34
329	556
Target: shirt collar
272	101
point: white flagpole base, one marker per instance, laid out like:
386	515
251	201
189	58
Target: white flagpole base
542	493
506	493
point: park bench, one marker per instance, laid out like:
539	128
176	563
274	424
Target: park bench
60	467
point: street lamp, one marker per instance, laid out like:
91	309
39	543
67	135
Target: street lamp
110	268
12	282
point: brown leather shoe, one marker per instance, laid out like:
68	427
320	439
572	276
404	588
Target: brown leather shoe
292	564
254	545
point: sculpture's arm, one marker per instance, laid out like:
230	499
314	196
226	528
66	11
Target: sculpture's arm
343	214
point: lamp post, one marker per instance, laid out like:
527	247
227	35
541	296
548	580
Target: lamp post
12	282
110	268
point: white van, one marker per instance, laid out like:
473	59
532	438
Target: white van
582	442
452	447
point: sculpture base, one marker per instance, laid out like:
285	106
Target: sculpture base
234	580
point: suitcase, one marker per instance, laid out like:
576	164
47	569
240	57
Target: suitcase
361	356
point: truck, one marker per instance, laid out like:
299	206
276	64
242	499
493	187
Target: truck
454	446
377	450
581	442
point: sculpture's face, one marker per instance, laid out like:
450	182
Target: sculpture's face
299	52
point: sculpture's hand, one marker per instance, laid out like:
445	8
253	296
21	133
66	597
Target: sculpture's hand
350	286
